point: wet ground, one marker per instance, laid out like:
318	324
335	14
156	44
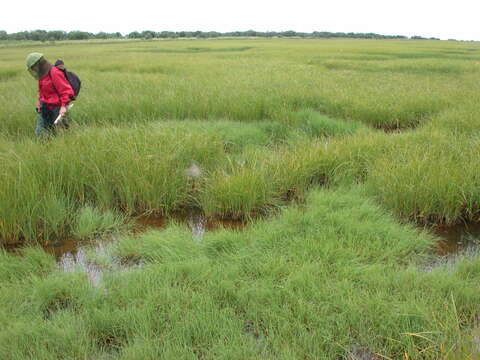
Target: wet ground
91	257
73	257
455	242
198	223
457	238
462	240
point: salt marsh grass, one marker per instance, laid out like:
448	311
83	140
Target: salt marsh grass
266	80
329	147
90	222
316	282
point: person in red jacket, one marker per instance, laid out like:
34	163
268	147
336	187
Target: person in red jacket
54	94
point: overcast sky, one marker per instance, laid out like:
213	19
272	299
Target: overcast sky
444	19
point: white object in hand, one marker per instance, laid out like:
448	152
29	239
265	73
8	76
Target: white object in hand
59	117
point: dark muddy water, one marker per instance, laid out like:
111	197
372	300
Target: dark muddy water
91	257
455	242
72	256
197	223
457	239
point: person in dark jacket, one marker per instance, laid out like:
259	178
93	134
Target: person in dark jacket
54	94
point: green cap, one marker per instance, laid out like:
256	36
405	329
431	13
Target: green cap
31	60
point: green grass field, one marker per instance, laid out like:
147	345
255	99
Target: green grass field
331	150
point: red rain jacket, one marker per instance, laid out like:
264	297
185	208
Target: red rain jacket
54	89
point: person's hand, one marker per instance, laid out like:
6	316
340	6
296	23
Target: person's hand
63	110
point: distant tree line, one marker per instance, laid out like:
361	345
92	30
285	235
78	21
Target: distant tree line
43	35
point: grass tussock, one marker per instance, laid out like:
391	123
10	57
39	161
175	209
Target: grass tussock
317	125
90	222
423	179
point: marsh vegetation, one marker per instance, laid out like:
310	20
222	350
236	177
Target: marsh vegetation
334	153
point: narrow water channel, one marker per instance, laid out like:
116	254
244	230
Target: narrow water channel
73	255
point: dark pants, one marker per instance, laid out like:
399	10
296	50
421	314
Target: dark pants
45	119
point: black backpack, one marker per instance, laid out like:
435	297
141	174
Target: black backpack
71	77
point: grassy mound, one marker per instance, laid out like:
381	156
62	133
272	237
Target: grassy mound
318	283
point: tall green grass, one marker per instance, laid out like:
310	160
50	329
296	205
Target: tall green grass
403	85
90	223
262	122
318	282
118	169
428	178
245	170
